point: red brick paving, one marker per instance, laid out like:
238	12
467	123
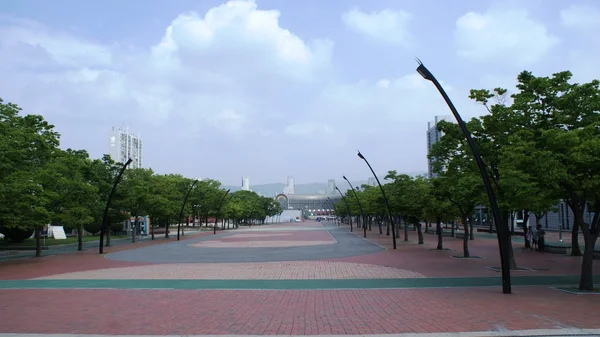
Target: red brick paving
421	258
76	261
291	312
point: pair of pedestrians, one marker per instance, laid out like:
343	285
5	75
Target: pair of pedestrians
536	238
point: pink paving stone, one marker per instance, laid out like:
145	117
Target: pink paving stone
289	236
259	244
295	312
246	271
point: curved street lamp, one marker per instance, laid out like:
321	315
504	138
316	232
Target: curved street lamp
347	207
387	204
503	235
104	226
179	229
333	208
362	214
219	211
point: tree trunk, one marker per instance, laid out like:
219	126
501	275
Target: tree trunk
419	232
80	237
452	228
108	230
505	218
438	229
167	228
471	231
38	242
152	228
465	237
405	230
586	281
135	227
426	226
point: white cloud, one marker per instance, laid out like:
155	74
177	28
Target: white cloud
511	35
386	26
229	83
581	17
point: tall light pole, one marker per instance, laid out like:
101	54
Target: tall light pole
333	208
385	199
347	207
104	226
179	229
219	211
362	214
503	235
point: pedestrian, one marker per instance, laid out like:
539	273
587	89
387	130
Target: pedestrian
534	238
529	238
540	233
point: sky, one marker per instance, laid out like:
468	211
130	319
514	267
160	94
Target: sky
267	89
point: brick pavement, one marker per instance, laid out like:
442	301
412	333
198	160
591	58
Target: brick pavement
76	261
291	312
425	260
292	270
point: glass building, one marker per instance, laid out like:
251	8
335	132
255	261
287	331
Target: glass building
311	204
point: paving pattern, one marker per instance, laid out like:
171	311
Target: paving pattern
296	312
293	270
269	240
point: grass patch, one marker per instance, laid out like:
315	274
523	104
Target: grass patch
54	242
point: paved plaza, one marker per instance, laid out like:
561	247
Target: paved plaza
293	279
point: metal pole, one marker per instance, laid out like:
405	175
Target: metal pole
347	207
362	214
104	224
504	241
385	199
183	206
219	211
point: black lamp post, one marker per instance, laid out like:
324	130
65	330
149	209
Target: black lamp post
333	208
104	225
179	229
362	214
219	211
387	204
347	207
503	235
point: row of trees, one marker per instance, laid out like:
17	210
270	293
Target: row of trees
41	184
540	145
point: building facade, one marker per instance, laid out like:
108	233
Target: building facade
433	136
245	184
310	204
331	186
123	145
290	188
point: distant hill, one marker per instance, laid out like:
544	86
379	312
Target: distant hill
310	188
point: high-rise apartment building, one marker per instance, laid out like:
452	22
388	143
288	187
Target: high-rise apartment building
123	145
372	181
245	184
433	136
290	188
331	186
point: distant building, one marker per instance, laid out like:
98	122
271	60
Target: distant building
245	184
372	181
433	136
290	188
123	145
331	186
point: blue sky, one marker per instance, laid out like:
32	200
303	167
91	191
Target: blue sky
267	89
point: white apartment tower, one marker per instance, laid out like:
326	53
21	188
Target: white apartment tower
331	186
290	188
123	145
245	184
433	136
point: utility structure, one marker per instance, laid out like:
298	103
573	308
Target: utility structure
104	225
504	241
385	199
347	207
362	213
179	228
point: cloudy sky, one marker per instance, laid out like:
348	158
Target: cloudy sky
272	88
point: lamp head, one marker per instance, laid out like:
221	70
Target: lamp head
360	155
345	178
423	71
